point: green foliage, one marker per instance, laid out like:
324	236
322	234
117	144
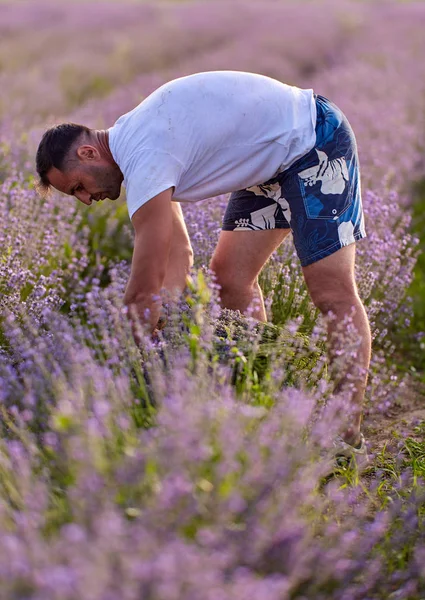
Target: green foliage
400	465
109	236
417	289
253	351
411	338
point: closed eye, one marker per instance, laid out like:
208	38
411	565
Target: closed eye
77	188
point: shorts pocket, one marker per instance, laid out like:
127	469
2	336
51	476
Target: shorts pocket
325	187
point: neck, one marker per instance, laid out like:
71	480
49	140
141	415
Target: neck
102	138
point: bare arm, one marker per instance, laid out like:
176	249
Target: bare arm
153	225
180	258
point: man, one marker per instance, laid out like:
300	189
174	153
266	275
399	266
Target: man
289	158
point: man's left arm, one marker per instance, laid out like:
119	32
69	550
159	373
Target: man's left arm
153	225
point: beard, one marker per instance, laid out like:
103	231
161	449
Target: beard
108	180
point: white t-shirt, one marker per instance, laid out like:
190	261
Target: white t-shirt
211	133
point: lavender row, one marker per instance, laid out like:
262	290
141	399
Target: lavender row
184	470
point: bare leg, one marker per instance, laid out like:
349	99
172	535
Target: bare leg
332	287
244	298
237	262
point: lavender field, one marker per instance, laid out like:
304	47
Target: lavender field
192	468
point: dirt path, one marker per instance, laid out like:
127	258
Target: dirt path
380	428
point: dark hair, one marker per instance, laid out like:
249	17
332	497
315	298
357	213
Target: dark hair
54	148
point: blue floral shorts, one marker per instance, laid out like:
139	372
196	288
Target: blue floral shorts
318	197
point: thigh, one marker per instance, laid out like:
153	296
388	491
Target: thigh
323	189
257	208
242	254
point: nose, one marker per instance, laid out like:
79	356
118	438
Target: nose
84	197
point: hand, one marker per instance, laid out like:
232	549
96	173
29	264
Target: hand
162	321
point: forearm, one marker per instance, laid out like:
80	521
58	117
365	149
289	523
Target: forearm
180	261
153	225
142	294
180	257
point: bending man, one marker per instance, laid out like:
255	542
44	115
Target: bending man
289	159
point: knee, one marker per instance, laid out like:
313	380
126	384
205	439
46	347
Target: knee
221	272
338	302
229	281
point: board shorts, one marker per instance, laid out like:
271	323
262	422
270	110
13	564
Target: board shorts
318	197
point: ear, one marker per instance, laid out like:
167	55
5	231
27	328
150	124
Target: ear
88	153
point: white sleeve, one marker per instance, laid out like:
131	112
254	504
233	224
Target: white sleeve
152	173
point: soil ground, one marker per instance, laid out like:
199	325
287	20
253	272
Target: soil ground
398	421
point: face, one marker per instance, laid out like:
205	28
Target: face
88	179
